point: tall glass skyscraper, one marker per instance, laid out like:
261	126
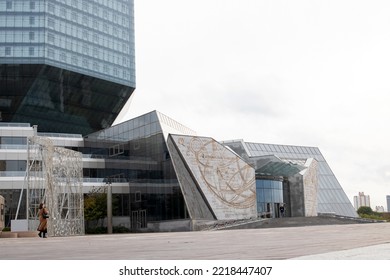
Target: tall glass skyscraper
66	65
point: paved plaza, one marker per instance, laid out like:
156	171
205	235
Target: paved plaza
349	241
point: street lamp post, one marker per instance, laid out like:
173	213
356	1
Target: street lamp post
109	207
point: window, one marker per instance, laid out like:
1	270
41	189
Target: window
31	51
85	49
32	20
85	63
75	60
31	36
116	150
50	53
125	48
7	50
63	12
50	7
85	20
50	22
137	196
32	5
9	5
50	38
85	35
85	6
63	56
74	16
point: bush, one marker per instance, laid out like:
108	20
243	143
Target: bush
103	230
120	229
366	210
374	216
96	230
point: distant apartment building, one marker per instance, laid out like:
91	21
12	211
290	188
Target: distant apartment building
379	209
388	202
361	200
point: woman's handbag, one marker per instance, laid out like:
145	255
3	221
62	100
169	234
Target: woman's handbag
45	215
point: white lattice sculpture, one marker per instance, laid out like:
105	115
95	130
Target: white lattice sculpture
54	177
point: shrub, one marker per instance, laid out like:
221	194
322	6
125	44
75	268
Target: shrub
366	210
103	230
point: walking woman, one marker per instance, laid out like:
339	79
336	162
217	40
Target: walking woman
43	214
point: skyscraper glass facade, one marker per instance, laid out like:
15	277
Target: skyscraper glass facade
95	38
65	61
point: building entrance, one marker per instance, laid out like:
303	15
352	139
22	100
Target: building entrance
138	219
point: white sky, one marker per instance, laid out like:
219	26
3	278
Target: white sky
311	73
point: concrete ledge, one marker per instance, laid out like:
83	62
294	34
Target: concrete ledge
28	234
17	234
8	234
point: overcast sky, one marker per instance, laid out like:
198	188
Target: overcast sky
310	73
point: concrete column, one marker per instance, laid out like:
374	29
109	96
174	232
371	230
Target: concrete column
109	208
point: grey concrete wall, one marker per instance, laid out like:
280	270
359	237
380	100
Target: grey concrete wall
303	189
297	202
223	179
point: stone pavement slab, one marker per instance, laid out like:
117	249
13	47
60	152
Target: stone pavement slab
349	241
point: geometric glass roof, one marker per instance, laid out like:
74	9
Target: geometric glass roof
331	196
272	165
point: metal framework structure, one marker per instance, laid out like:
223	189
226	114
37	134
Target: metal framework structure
54	177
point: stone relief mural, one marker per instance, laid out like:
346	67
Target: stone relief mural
310	186
227	182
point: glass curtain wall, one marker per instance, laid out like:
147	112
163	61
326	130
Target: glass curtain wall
269	197
136	154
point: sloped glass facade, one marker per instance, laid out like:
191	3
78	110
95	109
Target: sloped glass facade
331	196
137	159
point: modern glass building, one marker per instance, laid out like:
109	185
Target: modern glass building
164	177
67	66
137	163
132	156
331	198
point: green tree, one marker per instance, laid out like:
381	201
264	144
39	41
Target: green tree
365	210
95	206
